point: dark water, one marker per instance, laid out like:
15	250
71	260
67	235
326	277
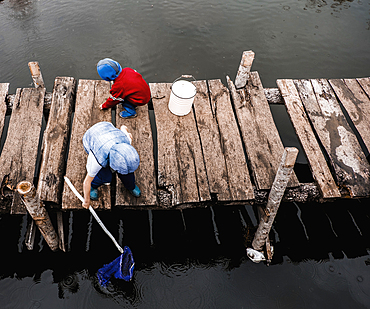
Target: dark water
193	259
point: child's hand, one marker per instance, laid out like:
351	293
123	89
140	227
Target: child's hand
124	129
86	203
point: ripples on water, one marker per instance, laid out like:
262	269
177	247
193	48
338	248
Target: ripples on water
164	39
321	260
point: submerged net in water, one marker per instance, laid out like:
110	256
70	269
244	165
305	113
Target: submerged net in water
122	268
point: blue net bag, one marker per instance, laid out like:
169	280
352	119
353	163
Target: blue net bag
122	268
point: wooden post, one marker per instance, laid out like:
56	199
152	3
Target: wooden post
38	212
244	68
263	215
36	74
275	196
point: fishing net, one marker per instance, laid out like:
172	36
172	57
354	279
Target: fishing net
122	268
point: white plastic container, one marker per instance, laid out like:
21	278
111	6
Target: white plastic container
182	96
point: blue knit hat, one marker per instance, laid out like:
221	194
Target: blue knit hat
108	69
123	158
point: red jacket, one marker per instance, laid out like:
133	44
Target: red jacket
130	86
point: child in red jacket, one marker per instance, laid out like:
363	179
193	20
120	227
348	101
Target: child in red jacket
129	88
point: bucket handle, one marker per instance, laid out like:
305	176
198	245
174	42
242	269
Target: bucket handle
184	76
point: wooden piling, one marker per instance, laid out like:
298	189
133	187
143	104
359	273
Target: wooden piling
38	212
277	191
263	215
244	68
36	74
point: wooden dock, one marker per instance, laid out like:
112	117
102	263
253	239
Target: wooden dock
226	150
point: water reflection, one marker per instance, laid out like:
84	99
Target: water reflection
323	248
300	232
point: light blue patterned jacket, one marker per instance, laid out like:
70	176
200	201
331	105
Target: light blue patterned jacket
111	147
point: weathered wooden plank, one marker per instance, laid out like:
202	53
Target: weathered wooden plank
356	103
231	143
55	140
4	88
10	101
260	136
211	145
349	162
181	170
90	94
301	124
168	172
142	140
273	96
18	158
365	84
244	69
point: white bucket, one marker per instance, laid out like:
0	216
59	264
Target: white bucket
182	96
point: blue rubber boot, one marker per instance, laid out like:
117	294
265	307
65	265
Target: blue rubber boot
128	110
126	114
136	192
93	194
